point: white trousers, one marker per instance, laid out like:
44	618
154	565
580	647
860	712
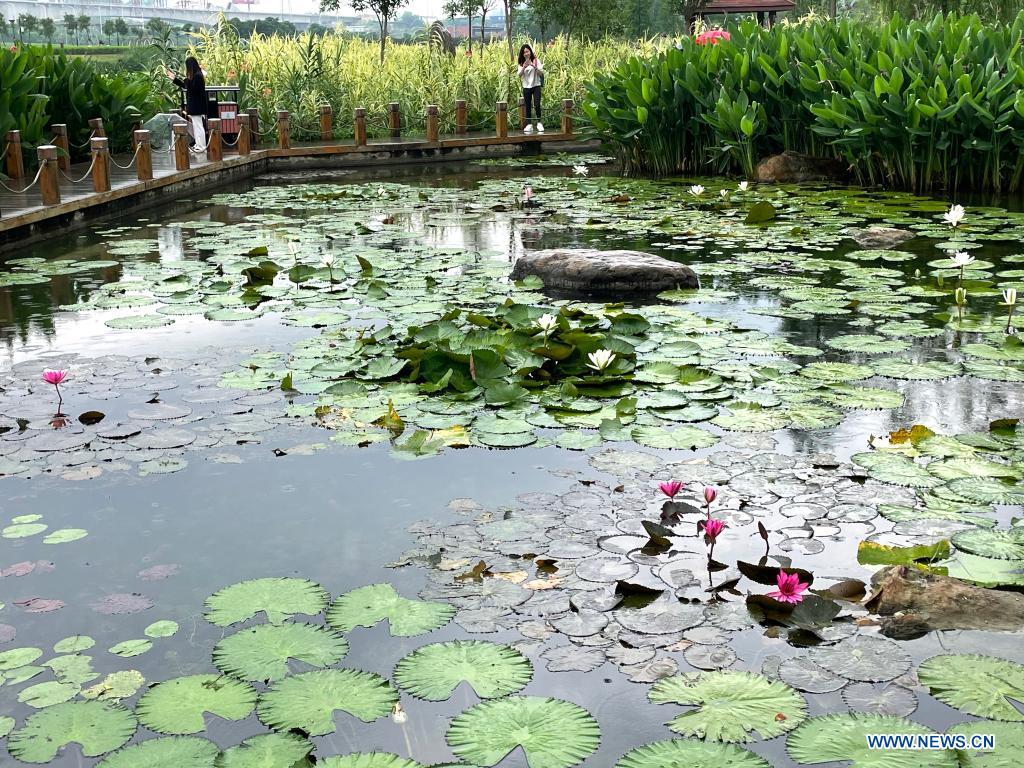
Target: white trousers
198	132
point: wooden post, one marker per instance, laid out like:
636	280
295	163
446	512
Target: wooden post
101	164
284	139
49	188
359	116
143	156
394	120
244	135
326	122
214	148
501	119
567	106
96	126
181	159
432	131
460	117
60	140
254	127
522	112
15	161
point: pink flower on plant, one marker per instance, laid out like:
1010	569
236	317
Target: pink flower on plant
713	36
671	488
712	529
790	589
710	494
527	193
55	377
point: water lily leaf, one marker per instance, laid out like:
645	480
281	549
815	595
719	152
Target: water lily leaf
65	535
19	657
74	644
165	752
970	466
674	753
164	628
1003	545
804	675
177	706
836	373
278	598
98	727
681	438
6	725
129	648
269	750
867	343
731	705
434	671
552	732
873	553
47	694
139	321
1009	744
370	760
760	212
263	652
116	686
307	701
896	469
985	686
987	490
366	606
843	738
861	658
895	368
983	571
890	700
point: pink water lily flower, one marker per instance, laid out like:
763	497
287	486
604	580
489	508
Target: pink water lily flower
790	589
55	377
671	488
712	528
710	494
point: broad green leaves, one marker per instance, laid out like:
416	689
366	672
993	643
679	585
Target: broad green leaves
278	598
98	727
166	752
434	671
844	738
309	700
178	706
366	606
691	753
730	706
984	686
263	652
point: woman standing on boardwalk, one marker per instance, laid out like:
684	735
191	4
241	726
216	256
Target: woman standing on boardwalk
531	73
194	85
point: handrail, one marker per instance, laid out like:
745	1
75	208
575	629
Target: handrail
26	189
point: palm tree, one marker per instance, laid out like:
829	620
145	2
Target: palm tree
70	26
47	27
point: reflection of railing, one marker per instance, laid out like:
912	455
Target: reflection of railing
353	134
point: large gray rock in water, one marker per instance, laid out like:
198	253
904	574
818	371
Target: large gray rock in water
586	270
880	237
793	168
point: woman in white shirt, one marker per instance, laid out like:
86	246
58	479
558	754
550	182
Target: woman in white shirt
531	73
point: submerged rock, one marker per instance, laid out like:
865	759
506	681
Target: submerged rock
880	237
915	602
588	270
793	168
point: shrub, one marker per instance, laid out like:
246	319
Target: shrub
919	105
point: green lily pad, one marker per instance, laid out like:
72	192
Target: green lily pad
99	727
987	490
691	753
843	738
278	598
65	535
553	733
263	652
308	701
74	644
129	648
895	469
164	628
433	672
178	706
370	760
47	694
135	322
1003	545
983	686
269	750
165	752
731	705
366	606
1009	749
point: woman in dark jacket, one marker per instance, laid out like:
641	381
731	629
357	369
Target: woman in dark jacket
194	85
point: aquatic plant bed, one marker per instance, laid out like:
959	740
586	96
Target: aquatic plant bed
311	482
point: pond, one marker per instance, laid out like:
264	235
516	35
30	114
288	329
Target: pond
321	480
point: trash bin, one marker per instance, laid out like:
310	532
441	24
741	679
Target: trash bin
226	109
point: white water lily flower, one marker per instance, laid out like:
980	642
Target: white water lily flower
581	170
744	186
547	323
600	359
381	192
1009	297
328	261
696	190
398	714
724	193
960	296
954	215
961	259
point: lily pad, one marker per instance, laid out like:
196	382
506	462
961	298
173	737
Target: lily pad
269	750
178	706
263	652
99	727
866	659
166	752
731	705
552	732
307	701
366	606
691	753
433	672
278	598
984	686
843	738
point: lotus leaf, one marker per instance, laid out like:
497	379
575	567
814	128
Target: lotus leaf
984	686
308	700
278	598
270	750
691	753
98	727
433	672
263	652
842	737
178	706
366	606
165	752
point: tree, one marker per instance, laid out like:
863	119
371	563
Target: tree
466	8
83	26
109	28
70	26
510	9
47	28
27	23
120	29
384	10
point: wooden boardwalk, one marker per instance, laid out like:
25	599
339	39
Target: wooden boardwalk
25	209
